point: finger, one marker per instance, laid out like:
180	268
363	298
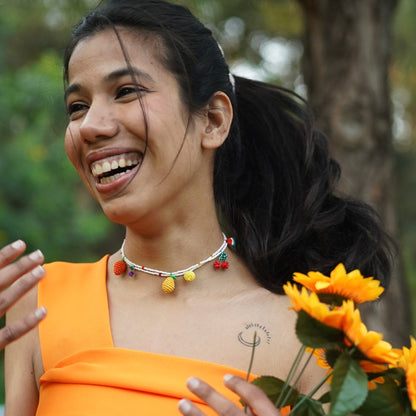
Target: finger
187	408
11	252
219	403
13	271
15	330
22	285
255	398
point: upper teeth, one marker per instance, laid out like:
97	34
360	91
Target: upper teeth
103	166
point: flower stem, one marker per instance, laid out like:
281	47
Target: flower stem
313	391
290	376
253	349
297	379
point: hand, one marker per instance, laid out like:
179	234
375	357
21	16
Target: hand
15	280
257	401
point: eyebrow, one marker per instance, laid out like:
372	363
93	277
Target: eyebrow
114	75
118	73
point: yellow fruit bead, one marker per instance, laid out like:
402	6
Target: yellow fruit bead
168	285
189	276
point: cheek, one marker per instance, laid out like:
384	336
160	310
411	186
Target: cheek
73	153
71	148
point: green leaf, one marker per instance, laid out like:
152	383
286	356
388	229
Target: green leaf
331	356
348	386
309	407
386	400
325	398
273	386
315	334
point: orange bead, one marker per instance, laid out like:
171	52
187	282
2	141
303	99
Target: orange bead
119	267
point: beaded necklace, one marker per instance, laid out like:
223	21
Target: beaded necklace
168	285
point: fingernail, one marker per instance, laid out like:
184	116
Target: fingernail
18	244
36	255
38	271
184	406
192	383
41	312
227	377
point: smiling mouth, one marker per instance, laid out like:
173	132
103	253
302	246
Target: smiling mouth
111	168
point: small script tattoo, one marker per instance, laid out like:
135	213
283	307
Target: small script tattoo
246	336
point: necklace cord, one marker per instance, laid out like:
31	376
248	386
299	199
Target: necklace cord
155	272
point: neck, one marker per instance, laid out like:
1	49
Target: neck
174	249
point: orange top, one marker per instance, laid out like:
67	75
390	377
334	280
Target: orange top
86	375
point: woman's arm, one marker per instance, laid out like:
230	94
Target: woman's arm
257	401
23	275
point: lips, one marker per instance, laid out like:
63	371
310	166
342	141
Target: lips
109	169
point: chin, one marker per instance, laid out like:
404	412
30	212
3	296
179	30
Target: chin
120	212
118	216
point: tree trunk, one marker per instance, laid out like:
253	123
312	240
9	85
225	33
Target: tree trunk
347	53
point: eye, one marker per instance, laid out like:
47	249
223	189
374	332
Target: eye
127	90
75	108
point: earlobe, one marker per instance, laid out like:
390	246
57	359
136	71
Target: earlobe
218	120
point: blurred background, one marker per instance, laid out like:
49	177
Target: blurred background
354	61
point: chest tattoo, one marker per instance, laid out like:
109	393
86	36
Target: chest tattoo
246	335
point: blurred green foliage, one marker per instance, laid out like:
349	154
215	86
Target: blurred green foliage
41	198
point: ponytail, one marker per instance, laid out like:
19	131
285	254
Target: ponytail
275	187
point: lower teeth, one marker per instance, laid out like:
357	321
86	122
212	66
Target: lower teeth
112	178
109	179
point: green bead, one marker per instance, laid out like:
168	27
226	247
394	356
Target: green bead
222	257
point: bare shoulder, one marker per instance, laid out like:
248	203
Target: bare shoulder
273	321
20	380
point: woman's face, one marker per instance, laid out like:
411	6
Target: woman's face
106	134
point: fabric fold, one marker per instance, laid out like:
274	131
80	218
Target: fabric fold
116	381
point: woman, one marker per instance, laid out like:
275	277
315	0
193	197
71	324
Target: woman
212	176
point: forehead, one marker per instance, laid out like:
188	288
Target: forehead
104	51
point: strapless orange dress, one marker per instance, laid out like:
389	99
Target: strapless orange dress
86	375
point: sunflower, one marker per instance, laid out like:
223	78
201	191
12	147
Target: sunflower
347	319
369	343
411	383
310	303
367	366
407	361
342	284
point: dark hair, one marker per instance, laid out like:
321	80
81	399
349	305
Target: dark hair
274	181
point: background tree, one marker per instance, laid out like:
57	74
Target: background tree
347	62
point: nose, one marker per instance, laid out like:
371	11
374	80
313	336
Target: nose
99	123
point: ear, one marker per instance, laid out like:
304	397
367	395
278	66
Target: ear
217	121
